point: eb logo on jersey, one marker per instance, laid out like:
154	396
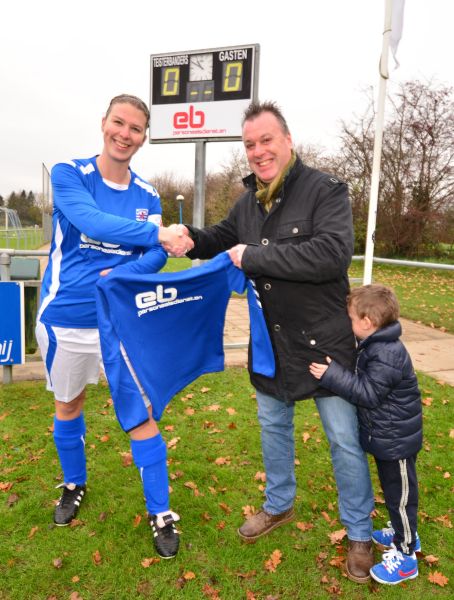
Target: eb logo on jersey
86	240
145	300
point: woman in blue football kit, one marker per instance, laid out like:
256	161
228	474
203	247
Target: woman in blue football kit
104	215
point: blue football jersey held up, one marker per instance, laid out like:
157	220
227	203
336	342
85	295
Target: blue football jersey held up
161	331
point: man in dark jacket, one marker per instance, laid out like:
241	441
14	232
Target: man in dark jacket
385	390
291	232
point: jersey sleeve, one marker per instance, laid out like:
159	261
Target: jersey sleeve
77	204
151	261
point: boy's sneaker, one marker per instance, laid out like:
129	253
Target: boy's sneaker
385	537
395	567
69	503
166	538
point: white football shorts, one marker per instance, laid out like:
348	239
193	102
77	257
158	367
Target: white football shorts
72	359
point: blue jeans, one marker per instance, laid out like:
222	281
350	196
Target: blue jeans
351	469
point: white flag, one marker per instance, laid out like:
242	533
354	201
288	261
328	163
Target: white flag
397	23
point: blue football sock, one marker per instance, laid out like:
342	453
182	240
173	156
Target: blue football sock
69	438
150	458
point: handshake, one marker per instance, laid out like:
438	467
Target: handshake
175	240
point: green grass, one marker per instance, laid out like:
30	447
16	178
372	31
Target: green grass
425	295
24	239
40	561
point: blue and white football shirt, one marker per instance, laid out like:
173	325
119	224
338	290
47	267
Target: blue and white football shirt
159	332
96	225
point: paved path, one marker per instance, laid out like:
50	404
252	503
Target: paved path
431	350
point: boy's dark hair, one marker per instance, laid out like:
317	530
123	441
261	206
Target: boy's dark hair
257	108
130	99
375	301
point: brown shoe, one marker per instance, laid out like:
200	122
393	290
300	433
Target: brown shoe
263	523
360	559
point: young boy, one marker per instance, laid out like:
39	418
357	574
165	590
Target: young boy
385	390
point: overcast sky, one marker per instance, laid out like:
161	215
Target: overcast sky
61	62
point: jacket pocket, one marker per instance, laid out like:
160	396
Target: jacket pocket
331	337
296	230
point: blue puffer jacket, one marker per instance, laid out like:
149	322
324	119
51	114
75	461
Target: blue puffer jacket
385	389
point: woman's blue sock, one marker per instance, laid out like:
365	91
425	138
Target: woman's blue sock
69	438
150	458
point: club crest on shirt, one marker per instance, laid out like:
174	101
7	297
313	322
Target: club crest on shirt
141	214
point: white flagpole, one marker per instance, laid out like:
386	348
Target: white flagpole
373	201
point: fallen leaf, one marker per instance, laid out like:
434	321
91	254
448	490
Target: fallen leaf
214	407
169	427
191	485
337	561
326	516
33	530
451	433
210	592
430	559
104	438
250	595
173	442
5	486
273	561
444	520
249	511
247	575
12	499
225	508
58	563
204	390
76	523
126	459
304	526
438	578
337	536
137	520
189	411
223	460
446	475
189	575
427	401
231	411
96	556
75	596
260	476
75	579
146	562
306	436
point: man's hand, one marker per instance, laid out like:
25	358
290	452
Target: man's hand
175	240
236	254
318	370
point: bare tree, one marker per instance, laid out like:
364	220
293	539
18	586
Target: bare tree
417	169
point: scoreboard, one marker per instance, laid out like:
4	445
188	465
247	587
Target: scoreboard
202	94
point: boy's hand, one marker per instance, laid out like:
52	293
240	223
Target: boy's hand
318	370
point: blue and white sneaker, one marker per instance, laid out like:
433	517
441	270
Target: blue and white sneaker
395	567
385	537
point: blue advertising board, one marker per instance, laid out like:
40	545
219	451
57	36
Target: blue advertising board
12	323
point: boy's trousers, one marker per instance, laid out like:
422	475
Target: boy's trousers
400	488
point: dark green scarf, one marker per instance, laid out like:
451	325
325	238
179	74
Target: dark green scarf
267	193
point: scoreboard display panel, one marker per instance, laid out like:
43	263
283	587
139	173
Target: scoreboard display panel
202	94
